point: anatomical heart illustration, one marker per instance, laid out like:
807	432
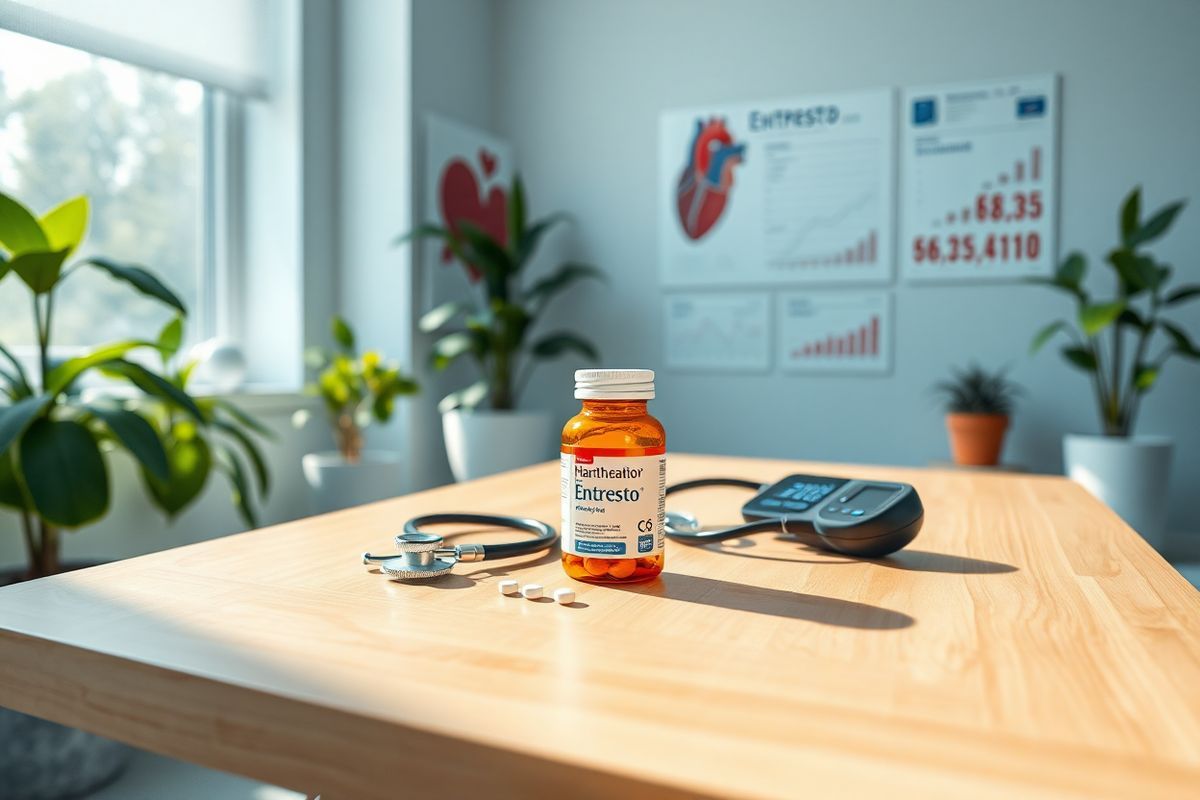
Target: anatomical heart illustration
707	178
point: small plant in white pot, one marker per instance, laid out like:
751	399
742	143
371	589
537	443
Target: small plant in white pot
484	431
356	391
978	407
1122	343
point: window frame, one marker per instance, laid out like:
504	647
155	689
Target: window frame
273	232
220	241
222	193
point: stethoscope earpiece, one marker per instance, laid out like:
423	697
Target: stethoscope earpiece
681	522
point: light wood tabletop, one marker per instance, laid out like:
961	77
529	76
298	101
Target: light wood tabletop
1028	643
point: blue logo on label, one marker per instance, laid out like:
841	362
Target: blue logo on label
924	111
646	543
600	548
1031	107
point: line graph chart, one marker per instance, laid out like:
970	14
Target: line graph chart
720	331
825	210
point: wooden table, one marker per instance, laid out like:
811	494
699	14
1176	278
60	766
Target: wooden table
1027	644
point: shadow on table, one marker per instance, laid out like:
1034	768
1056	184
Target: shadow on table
908	559
774	602
925	561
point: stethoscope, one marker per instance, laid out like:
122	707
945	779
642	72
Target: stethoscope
425	555
422	555
684	527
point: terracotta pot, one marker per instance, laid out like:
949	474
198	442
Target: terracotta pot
976	439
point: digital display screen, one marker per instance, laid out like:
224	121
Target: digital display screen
871	497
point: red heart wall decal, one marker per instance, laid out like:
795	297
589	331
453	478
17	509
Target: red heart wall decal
460	200
488	160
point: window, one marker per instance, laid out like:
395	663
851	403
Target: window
137	142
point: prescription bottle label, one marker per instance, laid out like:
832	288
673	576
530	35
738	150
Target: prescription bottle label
613	505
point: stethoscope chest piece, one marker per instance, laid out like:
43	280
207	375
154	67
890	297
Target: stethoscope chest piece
421	555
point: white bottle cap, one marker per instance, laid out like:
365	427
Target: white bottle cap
614	384
508	587
531	591
564	596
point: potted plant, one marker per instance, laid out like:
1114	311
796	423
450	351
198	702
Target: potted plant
484	431
225	442
978	405
53	467
355	391
1122	343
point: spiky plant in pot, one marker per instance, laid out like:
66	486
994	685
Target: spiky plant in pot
978	405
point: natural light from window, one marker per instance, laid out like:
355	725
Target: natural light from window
132	140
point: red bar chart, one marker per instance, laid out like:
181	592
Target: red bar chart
865	251
861	342
834	331
1008	208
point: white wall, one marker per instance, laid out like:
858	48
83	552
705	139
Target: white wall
399	61
374	197
452	62
579	87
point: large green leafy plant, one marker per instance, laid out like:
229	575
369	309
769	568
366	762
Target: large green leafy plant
223	440
53	471
1115	340
354	389
496	334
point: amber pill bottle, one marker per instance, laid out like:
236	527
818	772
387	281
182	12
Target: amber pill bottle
614	480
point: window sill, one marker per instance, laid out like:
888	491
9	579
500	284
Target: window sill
261	399
252	399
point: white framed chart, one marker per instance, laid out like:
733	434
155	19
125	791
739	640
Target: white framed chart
727	331
791	191
978	180
842	332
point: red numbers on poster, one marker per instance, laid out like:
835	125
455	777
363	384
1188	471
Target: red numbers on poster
955	247
1016	207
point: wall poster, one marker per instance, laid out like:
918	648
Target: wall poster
793	191
978	180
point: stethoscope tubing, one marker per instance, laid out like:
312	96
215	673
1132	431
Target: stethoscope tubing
745	529
544	535
700	483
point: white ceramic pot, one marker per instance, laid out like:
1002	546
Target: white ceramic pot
336	483
480	443
1129	474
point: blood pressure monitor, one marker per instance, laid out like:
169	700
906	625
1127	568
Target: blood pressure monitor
854	517
862	518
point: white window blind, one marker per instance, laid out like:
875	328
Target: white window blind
228	44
